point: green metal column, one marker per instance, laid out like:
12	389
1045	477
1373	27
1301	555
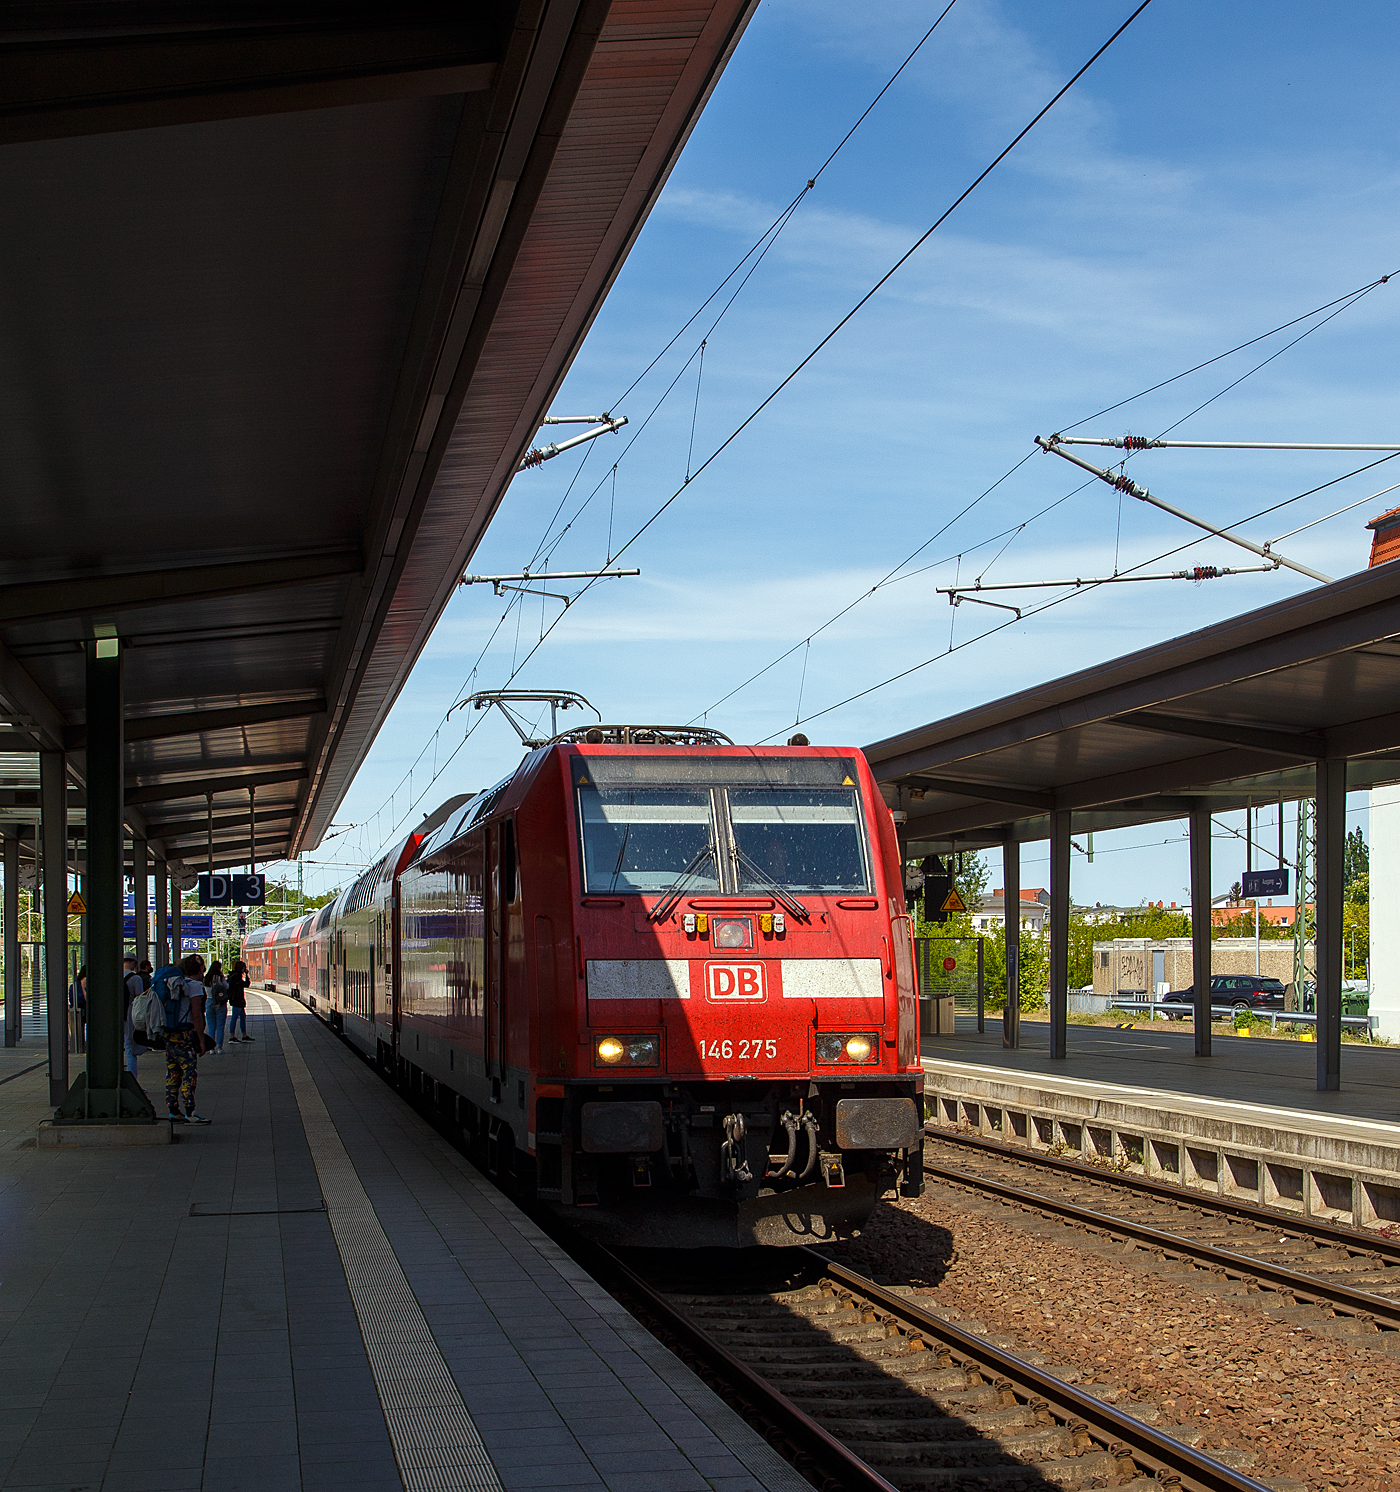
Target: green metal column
1200	925
106	1092
53	832
162	879
1331	849
1011	924
175	934
13	1014
1059	934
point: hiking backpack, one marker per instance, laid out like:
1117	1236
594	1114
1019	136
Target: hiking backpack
171	999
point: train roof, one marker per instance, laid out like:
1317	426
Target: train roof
509	790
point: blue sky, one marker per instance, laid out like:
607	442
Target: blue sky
1221	170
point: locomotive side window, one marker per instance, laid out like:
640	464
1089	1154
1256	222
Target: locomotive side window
641	838
800	840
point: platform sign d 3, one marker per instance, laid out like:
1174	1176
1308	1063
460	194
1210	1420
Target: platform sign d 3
232	890
1257	883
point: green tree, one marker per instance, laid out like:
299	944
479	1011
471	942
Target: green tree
1356	861
971	874
1145	921
1035	968
1356	926
1241	925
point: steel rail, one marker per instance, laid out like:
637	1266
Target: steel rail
837	1466
834	1464
1292	1282
1152	1449
1355	1239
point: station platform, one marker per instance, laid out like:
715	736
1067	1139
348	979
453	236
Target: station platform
315	1292
1248	1121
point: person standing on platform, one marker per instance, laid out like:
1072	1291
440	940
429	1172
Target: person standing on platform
238	982
215	1006
183	1000
132	985
77	1003
146	972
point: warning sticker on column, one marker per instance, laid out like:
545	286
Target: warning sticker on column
725	982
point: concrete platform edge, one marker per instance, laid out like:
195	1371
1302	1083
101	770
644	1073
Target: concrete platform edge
1308	1164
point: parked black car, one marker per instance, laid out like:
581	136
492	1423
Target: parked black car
1241	991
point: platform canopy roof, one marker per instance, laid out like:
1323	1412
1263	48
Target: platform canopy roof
1236	713
285	292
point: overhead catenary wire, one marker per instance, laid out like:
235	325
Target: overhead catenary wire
1335	306
1146	443
1342	302
1336	513
760	247
1124	483
914	668
850	314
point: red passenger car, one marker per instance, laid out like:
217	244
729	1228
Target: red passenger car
669	987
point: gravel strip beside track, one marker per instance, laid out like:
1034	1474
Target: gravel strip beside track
1345	1282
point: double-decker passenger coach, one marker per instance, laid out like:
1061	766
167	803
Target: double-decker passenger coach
663	982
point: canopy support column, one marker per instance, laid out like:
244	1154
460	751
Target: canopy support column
1199	824
1331	846
53	833
105	1093
13	1012
1059	933
1011	921
162	881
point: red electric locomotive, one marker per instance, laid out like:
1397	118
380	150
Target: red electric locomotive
664	981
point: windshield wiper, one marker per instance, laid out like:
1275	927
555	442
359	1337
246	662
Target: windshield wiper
667	904
767	883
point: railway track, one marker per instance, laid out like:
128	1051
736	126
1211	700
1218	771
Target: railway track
864	1389
1337	1280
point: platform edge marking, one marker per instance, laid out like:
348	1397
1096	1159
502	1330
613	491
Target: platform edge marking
436	1443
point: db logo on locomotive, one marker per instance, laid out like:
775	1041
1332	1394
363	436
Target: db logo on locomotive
734	982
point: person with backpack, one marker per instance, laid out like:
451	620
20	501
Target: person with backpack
132	985
238	982
215	1006
182	1005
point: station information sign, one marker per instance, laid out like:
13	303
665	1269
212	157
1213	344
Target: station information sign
1257	883
232	890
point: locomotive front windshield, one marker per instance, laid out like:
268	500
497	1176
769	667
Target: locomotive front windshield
641	839
717	824
799	840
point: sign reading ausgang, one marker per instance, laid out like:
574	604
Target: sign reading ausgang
232	890
1256	883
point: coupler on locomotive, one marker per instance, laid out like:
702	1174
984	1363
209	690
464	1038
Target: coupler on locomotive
737	1163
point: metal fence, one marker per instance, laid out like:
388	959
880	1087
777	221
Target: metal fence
1182	1011
952	968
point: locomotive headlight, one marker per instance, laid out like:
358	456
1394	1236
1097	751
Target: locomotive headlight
628	1051
846	1049
732	932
